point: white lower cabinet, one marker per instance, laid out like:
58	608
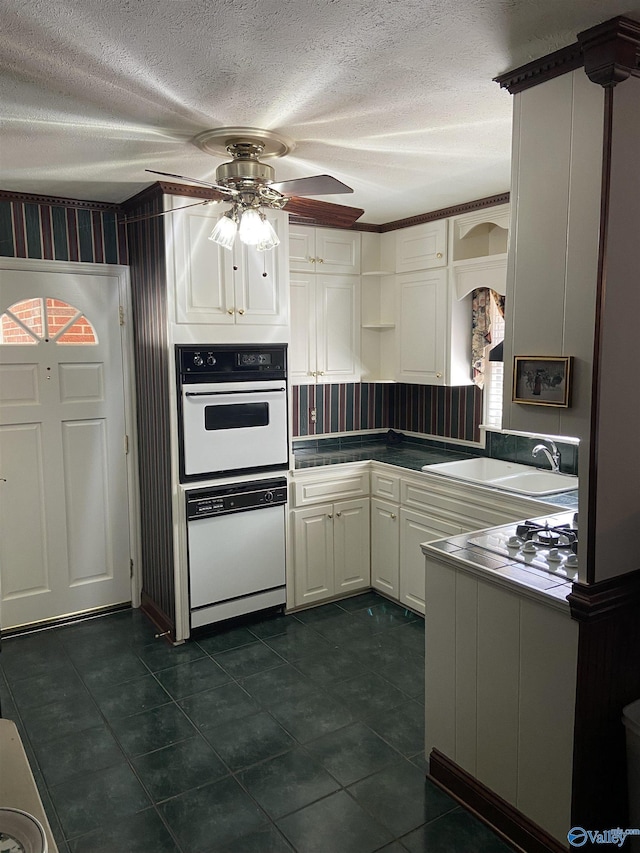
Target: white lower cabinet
331	550
385	547
343	542
416	528
397	564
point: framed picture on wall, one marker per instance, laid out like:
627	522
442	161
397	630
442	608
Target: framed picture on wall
542	380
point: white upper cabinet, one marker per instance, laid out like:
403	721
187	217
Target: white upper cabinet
324	250
422	314
422	247
325	328
221	287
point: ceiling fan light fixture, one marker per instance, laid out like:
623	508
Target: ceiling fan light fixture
225	229
250	229
268	239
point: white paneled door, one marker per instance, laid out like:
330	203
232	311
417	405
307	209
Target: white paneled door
64	496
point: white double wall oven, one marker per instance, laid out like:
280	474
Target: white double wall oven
232	425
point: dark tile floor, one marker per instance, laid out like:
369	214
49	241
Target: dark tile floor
290	733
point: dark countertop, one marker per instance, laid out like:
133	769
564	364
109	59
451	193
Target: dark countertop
404	455
408	454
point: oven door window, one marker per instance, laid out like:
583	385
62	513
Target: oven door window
236	416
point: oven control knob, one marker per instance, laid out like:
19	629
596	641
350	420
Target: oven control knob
198	360
268	496
554	556
514	542
529	547
211	360
572	560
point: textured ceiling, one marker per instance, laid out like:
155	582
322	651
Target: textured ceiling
393	97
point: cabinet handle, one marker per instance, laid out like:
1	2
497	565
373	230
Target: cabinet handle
230	310
338	514
241	311
235	268
311	260
320	260
438	376
329	515
393	515
320	373
438	254
311	373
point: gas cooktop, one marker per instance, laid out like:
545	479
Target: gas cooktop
549	544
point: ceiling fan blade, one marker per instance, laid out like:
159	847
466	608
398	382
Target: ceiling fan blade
195	181
126	220
323	212
315	185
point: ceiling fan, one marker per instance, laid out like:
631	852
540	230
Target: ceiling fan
248	185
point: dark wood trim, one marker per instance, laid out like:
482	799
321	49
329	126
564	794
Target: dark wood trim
592	601
601	279
497	813
540	70
57	201
608	679
164	188
160	188
445	212
357	226
611	51
165	626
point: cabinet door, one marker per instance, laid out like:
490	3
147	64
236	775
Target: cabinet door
351	543
422	247
302	248
313	553
385	547
261	286
302	346
338	328
415	529
337	251
202	271
421	332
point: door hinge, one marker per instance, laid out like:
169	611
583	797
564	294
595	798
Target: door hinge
121	314
126	445
130	568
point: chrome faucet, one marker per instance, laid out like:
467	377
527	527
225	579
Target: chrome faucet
552	455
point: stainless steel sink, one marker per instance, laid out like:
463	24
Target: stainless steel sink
509	476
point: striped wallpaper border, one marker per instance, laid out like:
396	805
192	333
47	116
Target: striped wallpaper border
61	233
428	409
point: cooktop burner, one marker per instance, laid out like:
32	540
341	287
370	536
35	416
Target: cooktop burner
547	544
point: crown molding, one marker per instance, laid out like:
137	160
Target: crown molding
611	51
445	212
160	188
58	201
540	70
608	52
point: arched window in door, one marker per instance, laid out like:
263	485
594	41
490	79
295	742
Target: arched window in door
33	321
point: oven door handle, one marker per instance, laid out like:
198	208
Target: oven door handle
229	393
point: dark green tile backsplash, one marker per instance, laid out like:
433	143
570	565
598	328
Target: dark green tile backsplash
517	448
